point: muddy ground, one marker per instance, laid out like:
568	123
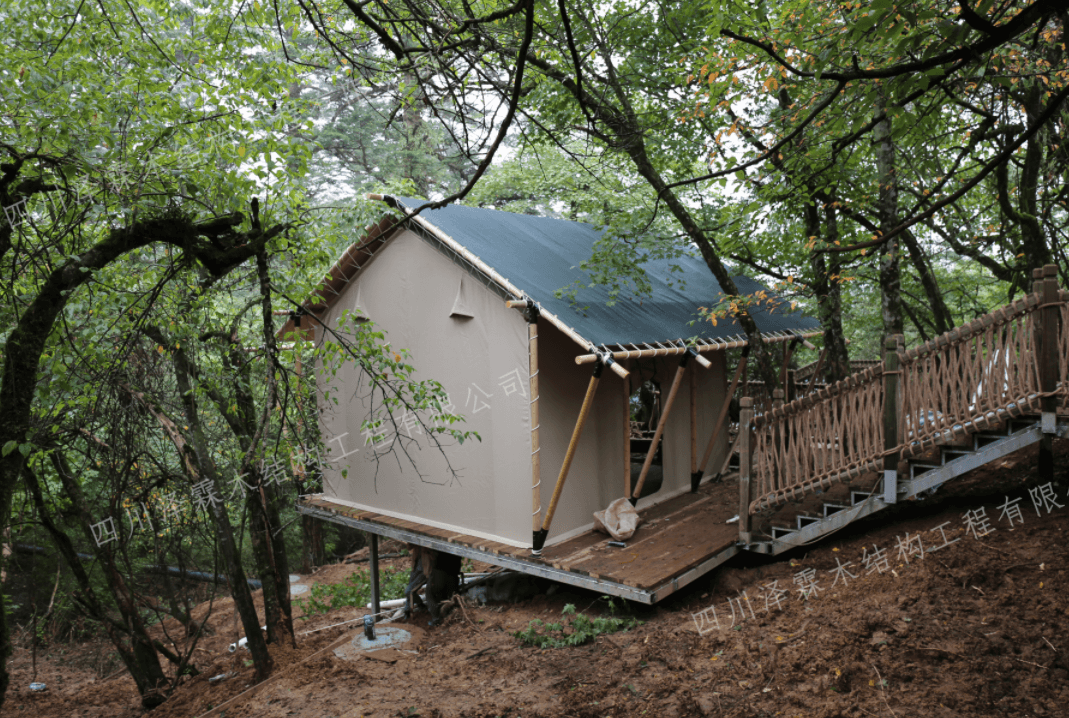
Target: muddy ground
976	628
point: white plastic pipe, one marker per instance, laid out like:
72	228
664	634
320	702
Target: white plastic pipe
242	643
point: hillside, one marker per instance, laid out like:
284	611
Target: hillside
978	627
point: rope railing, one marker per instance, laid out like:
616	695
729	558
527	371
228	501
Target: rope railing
961	382
971	378
826	436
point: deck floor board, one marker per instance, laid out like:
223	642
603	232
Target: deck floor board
675	536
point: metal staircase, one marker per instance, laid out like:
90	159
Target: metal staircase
925	476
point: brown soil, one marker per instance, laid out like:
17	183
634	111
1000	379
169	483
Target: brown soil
979	628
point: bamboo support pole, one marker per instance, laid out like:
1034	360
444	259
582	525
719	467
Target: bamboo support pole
536	461
627	437
721	420
702	347
727	456
588	400
693	422
676	381
816	370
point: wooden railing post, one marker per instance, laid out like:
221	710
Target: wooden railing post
1049	344
745	468
891	401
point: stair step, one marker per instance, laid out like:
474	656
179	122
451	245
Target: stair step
804	520
830	509
781	530
859	497
984	439
924	468
955	453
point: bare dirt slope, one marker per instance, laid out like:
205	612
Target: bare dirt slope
976	628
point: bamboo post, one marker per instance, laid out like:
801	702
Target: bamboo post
536	461
816	370
588	400
721	420
676	381
891	401
745	468
790	385
373	555
627	437
1048	370
694	430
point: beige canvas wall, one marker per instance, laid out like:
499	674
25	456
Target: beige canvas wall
462	335
597	474
710	390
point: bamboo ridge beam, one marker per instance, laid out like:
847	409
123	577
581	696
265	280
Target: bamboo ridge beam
676	381
539	538
702	346
721	420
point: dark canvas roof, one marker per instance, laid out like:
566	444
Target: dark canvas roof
540	255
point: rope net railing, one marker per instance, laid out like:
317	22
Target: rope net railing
971	378
961	382
813	441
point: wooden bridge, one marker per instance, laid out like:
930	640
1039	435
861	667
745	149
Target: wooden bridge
896	430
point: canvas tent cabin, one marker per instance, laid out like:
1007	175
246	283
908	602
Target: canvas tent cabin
471	295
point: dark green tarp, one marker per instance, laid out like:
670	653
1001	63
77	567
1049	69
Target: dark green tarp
540	255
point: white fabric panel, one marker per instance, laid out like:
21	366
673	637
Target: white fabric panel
408	290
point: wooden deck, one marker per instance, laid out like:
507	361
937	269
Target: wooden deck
678	541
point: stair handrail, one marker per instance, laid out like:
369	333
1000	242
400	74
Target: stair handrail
832	434
970	378
986	369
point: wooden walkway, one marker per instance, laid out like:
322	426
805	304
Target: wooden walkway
679	541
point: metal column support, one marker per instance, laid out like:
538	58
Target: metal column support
374	556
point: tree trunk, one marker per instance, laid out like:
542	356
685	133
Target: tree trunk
887	210
828	289
941	315
206	471
266	523
129	636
